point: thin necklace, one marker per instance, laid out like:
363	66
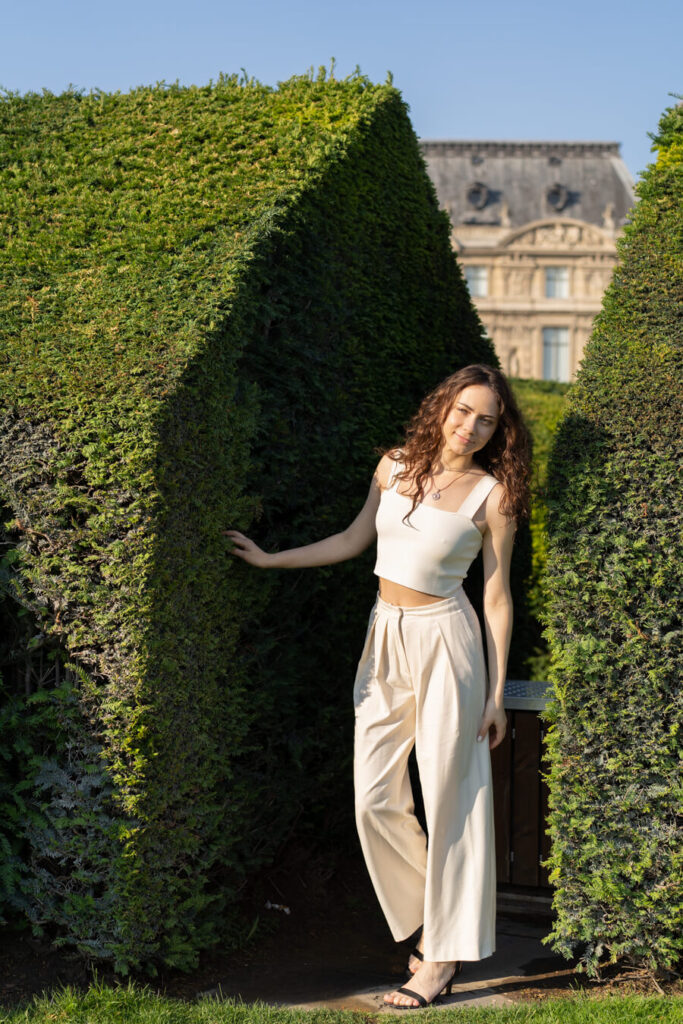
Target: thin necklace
436	495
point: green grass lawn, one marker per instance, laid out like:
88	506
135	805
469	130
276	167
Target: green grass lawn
133	1005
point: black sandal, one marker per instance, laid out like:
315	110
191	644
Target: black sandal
424	1003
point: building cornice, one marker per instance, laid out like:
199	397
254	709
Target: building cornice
473	147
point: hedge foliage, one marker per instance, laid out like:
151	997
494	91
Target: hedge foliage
541	403
615	582
216	302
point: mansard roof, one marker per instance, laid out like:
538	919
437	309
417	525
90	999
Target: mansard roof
512	183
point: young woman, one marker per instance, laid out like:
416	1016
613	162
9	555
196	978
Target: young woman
458	484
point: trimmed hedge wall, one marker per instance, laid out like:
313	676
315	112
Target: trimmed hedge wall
216	303
542	403
615	583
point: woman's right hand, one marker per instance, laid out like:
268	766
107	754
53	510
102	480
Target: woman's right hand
247	550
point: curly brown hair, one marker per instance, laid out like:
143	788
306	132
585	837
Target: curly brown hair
506	455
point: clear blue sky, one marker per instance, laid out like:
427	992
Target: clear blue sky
502	69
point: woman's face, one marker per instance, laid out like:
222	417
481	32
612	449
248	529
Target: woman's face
472	420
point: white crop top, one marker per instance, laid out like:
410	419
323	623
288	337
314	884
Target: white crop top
433	549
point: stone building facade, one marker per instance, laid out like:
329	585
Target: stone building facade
534	226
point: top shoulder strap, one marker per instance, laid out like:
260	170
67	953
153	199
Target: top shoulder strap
477	496
396	468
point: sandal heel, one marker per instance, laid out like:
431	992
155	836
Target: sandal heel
448	990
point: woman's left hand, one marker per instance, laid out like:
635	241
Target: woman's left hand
493	724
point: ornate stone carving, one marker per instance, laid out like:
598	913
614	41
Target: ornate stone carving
595	282
608	217
560	234
519	283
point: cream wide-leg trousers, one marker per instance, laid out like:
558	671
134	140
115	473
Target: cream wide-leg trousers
422	681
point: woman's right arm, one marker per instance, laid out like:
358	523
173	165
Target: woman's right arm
337	548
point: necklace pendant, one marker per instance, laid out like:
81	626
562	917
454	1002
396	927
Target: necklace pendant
436	495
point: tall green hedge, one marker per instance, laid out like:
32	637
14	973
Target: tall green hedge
216	302
615	582
542	403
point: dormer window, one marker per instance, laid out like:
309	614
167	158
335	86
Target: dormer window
478	195
557	196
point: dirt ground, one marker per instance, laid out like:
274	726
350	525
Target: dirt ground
332	941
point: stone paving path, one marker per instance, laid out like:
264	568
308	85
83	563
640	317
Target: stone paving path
520	960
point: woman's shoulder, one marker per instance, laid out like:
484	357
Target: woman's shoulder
494	516
489	490
481	474
388	466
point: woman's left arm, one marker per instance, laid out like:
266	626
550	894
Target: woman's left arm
497	552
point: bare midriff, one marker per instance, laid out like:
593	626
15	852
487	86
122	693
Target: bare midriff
404	597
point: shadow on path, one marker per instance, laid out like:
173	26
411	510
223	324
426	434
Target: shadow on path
333	948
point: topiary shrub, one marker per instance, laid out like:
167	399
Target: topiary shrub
542	403
216	302
615	578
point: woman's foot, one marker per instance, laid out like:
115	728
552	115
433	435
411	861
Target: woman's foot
428	981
